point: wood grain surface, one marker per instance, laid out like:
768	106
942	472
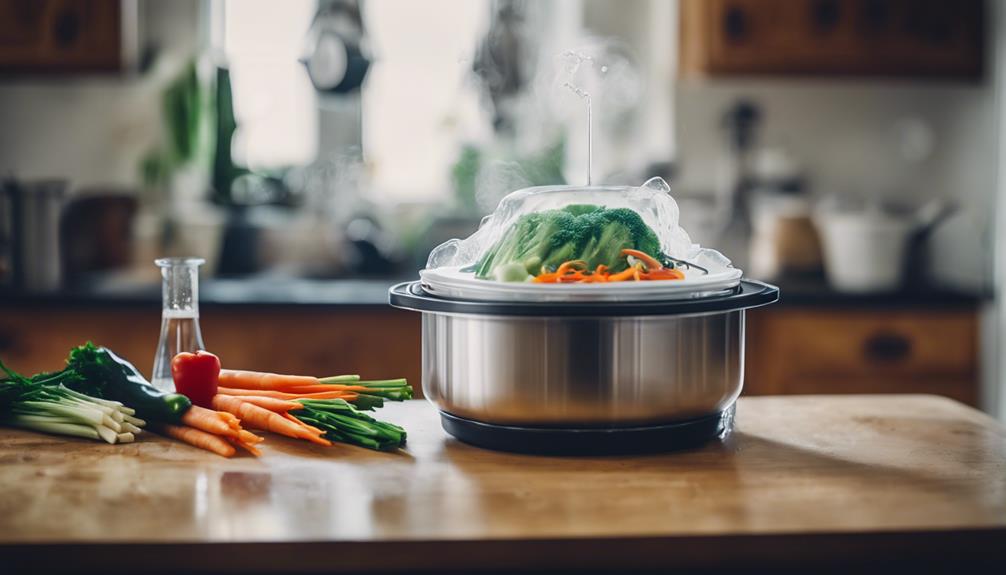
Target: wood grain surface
823	480
375	343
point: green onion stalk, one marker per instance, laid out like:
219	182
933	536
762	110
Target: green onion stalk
42	404
344	423
377	390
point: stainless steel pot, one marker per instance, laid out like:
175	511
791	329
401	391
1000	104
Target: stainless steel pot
583	371
576	365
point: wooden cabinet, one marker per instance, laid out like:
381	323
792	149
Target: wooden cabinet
793	350
47	36
790	350
376	343
915	38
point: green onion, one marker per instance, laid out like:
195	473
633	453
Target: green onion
343	422
44	404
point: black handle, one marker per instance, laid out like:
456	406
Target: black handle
887	347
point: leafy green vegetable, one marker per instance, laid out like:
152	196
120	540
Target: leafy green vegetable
98	372
546	239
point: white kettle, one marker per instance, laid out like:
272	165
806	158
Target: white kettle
866	251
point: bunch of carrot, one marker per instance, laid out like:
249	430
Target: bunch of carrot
264	401
323	405
642	267
216	431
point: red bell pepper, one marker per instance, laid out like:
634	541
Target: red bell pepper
196	375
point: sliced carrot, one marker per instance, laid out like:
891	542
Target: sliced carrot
243	379
649	261
197	438
623	275
271	403
208	420
664	274
546	278
575	271
572	266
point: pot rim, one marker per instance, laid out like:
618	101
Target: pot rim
748	294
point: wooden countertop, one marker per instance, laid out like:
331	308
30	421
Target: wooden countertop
828	480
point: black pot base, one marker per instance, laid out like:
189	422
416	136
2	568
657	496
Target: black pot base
590	440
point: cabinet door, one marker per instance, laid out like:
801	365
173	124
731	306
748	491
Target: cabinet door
922	38
60	35
803	350
375	343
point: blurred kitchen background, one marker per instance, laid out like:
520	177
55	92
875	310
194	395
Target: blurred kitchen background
314	151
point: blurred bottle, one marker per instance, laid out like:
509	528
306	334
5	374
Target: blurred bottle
784	240
734	178
30	223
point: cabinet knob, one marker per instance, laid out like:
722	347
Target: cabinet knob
735	24
886	347
825	15
67	28
874	16
6	340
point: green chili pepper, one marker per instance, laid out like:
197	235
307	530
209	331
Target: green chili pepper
98	372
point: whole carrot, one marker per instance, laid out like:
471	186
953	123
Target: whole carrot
244	379
322	387
260	418
299	422
249	447
197	438
208	421
272	404
347	395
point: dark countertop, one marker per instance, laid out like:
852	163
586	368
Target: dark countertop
263	291
815	292
373	292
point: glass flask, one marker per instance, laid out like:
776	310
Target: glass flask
179	316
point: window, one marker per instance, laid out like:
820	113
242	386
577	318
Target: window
274	101
417	98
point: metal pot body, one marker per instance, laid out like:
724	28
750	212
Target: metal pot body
583	371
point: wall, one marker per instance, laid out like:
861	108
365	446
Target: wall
94	130
844	133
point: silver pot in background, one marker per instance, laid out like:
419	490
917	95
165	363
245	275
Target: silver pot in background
580	376
29	233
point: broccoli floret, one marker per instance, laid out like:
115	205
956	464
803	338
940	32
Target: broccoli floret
546	239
